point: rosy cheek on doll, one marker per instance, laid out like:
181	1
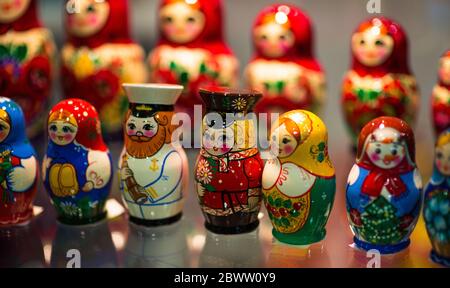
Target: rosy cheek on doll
17	3
374	157
68	137
52	135
92	19
149	133
288	149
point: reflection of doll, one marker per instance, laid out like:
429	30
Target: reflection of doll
27	52
437	202
77	166
380	82
99	56
191	50
384	186
299	183
441	96
18	166
284	67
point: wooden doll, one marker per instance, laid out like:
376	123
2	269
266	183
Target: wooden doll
379	82
437	202
384	186
191	50
299	182
76	169
26	60
99	56
441	96
284	67
18	166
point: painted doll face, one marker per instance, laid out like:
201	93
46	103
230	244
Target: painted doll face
90	18
384	151
443	159
11	10
274	40
5	128
62	132
217	139
371	47
444	70
141	129
181	23
282	143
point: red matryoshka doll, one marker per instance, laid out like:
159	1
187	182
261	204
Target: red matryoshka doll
26	57
18	166
284	67
77	168
99	56
380	82
191	50
384	187
441	96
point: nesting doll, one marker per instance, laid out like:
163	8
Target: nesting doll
18	166
99	56
379	82
384	186
191	50
441	96
284	67
229	168
77	166
437	202
299	181
152	167
26	57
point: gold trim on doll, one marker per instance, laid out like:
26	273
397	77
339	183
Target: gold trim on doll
5	125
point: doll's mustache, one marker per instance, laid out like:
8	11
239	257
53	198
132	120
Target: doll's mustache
140	138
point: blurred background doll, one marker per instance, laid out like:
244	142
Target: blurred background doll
99	56
441	96
379	82
191	50
27	53
284	67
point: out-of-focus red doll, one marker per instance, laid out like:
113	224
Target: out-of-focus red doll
99	56
441	96
380	82
284	67
191	50
26	57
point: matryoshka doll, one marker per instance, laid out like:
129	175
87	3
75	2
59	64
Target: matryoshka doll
384	187
380	82
18	166
437	202
27	54
99	56
284	67
77	168
152	166
299	181
441	96
229	168
191	50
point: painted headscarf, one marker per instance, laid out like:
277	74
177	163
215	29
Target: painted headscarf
397	62
302	52
441	82
438	178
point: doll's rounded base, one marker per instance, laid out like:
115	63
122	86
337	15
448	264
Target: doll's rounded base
293	239
84	221
155	223
383	249
232	229
441	260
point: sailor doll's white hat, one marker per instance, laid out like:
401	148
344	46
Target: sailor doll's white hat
154	94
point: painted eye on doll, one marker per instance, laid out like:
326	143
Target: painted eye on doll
190	20
67	129
286	141
168	20
283	37
211	123
90	9
439	155
394	152
53	128
148	127
379	43
362	42
131	126
378	150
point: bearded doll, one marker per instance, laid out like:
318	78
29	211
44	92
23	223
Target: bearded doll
99	55
27	53
380	82
152	167
77	168
441	96
384	187
191	50
284	67
18	166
